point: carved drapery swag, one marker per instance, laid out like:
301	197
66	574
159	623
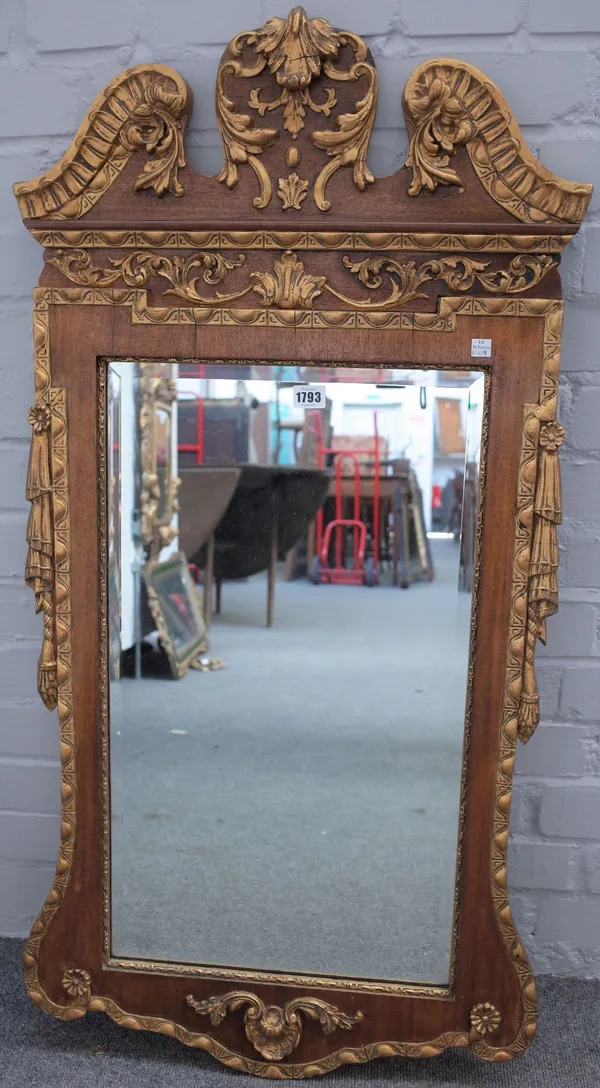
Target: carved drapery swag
543	568
39	570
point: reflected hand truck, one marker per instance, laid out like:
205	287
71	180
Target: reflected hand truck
362	571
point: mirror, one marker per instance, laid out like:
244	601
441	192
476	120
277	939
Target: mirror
163	447
291	803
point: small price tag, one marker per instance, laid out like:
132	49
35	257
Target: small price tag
309	396
481	348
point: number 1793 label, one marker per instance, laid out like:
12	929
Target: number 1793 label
309	396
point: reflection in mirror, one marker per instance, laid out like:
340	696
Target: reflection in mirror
291	803
163	448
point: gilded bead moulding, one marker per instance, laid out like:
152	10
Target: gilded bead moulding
296	102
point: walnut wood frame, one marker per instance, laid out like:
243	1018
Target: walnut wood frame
463	243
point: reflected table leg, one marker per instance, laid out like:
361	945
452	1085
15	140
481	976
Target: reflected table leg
272	572
208	580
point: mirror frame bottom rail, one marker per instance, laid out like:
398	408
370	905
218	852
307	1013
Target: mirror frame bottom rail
493	1008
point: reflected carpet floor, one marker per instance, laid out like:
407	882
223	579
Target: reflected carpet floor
298	809
39	1052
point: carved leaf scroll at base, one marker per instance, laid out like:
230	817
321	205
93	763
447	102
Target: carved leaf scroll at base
273	1030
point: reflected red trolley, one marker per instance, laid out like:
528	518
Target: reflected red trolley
361	571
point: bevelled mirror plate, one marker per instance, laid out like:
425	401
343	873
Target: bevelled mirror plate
297	810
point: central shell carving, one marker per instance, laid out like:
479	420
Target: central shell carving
274	1030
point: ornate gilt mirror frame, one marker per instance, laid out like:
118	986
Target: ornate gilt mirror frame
296	249
158	490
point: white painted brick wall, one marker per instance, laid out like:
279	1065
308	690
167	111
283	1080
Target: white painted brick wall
545	56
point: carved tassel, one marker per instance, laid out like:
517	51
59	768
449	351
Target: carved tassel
543	571
39	575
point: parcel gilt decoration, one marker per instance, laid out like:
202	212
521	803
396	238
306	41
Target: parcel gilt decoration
273	1030
305	58
293	252
296	101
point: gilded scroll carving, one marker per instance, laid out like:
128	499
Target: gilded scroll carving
137	268
348	143
290	286
450	103
273	1030
144	108
543	568
460	273
296	50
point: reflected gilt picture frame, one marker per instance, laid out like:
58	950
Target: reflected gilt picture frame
159	483
177	612
298	252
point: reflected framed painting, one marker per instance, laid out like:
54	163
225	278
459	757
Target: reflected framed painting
176	609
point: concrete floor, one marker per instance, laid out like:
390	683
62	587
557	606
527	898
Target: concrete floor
298	810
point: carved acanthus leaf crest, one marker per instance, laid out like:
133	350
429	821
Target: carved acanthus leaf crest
296	51
295	47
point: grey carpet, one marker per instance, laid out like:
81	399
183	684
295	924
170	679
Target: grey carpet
304	816
39	1052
